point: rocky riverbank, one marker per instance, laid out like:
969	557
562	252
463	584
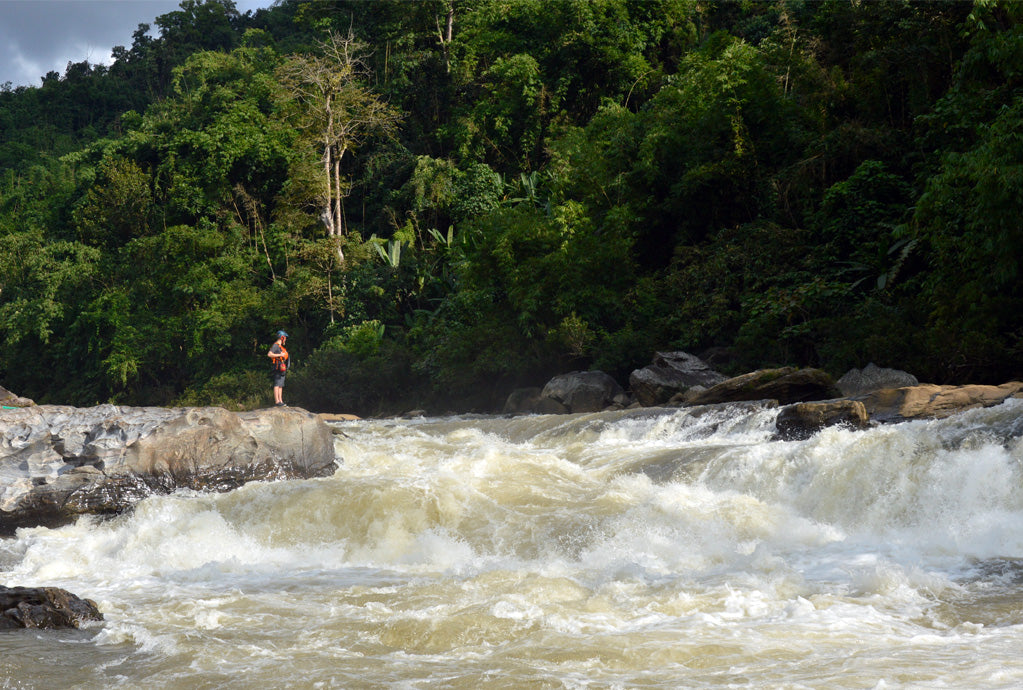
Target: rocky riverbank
811	399
58	462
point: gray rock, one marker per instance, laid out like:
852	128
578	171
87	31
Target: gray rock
44	607
671	373
59	462
872	378
582	391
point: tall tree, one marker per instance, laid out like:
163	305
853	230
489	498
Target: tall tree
337	113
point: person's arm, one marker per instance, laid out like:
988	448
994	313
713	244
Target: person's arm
275	352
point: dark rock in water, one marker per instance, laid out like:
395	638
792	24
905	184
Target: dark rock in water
670	374
871	378
522	400
584	391
44	607
803	420
9	399
786	385
550	406
57	463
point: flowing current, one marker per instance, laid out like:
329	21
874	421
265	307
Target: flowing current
642	549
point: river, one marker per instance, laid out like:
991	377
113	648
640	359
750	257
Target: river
654	548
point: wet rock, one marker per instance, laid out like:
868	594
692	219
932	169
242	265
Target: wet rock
871	378
44	607
932	401
57	462
671	374
583	391
803	420
786	385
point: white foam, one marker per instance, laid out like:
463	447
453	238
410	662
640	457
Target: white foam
476	542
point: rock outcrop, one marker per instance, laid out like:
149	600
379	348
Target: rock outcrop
57	462
671	374
810	398
582	391
9	399
929	401
44	607
786	385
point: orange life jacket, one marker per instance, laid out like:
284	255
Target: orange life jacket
281	363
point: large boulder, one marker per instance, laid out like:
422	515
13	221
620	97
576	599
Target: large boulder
670	374
871	378
803	420
582	391
59	462
786	385
44	607
929	401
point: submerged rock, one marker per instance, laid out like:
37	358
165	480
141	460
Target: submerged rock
44	607
57	462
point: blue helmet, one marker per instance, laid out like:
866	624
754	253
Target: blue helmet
282	334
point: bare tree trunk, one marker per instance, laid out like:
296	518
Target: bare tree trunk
445	36
340	114
327	216
338	193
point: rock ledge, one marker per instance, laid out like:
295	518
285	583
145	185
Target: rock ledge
58	462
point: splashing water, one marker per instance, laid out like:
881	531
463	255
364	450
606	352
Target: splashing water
652	548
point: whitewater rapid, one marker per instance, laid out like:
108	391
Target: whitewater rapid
656	548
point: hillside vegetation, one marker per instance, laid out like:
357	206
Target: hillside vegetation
442	200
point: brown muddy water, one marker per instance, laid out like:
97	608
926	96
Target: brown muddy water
648	549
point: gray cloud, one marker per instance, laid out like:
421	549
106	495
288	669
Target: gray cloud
37	36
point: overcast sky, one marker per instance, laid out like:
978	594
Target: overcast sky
37	36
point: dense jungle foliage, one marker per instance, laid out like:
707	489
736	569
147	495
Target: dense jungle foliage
442	200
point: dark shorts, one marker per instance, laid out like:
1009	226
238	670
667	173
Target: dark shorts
278	379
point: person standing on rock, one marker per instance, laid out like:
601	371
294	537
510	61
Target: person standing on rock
279	356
